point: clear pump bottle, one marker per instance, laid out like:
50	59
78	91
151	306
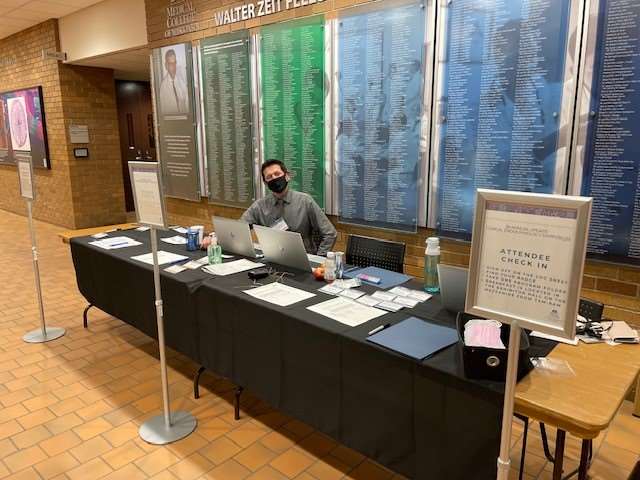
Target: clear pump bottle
214	251
431	260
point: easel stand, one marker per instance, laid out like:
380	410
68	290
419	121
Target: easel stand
166	428
504	461
43	334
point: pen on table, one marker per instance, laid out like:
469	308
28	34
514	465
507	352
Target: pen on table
378	329
118	244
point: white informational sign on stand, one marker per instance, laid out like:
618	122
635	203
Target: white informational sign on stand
25	172
150	210
147	194
28	192
527	260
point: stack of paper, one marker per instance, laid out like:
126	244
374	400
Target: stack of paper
163	258
418	295
279	294
175	240
346	311
230	268
115	242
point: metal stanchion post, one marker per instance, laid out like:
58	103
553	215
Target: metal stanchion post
166	428
43	334
504	461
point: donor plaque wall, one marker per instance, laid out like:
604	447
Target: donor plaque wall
608	147
292	70
503	103
225	67
380	99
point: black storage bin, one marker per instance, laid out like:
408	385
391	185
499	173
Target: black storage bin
491	363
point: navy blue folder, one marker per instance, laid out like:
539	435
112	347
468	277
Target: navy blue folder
415	338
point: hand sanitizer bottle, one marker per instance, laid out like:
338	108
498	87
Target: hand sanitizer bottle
431	260
214	251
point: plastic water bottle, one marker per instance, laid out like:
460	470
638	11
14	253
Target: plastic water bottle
431	260
214	251
330	267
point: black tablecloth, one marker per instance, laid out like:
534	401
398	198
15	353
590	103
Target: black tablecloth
422	419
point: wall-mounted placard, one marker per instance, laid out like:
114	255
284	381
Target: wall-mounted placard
381	77
292	98
505	96
607	152
226	92
173	91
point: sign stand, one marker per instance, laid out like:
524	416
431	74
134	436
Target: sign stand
504	460
526	266
147	194
43	334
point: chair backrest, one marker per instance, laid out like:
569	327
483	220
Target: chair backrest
590	310
371	252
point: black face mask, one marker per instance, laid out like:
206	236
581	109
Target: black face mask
277	185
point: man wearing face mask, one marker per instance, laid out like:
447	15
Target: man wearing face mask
286	209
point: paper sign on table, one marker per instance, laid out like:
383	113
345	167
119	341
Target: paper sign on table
346	311
279	294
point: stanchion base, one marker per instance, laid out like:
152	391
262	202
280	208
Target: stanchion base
51	334
155	431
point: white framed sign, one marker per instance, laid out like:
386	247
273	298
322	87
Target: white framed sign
147	194
25	174
527	259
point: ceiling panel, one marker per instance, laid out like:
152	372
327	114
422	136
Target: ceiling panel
16	15
127	65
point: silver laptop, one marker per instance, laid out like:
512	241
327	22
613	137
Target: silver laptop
453	286
283	248
234	236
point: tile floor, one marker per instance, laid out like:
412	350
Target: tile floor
70	409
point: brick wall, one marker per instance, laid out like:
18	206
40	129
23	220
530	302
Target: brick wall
74	193
618	287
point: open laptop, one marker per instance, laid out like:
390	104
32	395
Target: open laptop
453	287
234	236
282	247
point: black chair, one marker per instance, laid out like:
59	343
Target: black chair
371	252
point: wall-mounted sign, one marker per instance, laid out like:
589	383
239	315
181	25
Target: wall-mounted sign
181	15
79	133
258	8
527	258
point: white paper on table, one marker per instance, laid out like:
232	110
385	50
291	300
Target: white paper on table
163	257
330	290
557	339
279	294
346	311
142	229
390	306
115	242
409	293
202	261
350	283
179	229
226	257
384	296
353	294
175	269
230	268
192	265
406	301
400	291
99	235
176	240
368	300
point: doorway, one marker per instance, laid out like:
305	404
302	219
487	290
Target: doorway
135	123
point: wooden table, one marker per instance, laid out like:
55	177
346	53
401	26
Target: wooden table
581	396
69	234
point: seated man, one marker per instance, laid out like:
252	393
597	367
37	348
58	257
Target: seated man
287	209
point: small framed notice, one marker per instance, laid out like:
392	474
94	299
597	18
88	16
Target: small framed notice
147	194
527	259
25	174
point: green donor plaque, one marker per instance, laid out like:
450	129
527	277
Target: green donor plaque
292	58
226	87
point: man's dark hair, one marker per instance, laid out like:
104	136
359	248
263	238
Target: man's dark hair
170	53
271	162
